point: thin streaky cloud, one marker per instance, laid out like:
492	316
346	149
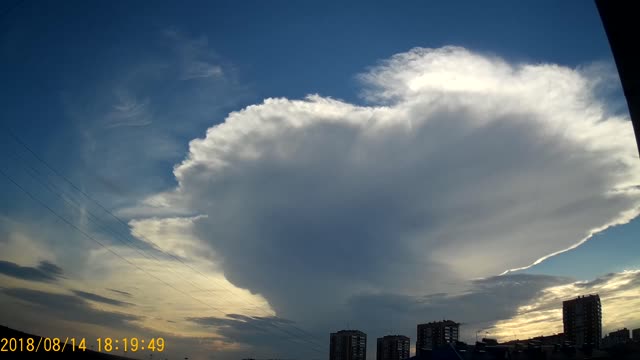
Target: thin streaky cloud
44	272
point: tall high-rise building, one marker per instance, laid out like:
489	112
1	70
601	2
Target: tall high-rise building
393	347
582	319
348	345
435	334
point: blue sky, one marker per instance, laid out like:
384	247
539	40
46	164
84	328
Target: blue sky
303	48
112	95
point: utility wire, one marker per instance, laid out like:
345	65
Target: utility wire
17	139
94	218
96	202
3	14
72	203
106	247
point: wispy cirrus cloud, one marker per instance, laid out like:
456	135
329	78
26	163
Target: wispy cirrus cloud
144	112
129	111
196	59
101	299
70	307
120	292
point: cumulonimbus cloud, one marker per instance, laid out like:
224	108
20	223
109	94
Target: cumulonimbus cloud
459	166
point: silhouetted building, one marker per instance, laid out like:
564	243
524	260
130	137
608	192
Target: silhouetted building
435	334
635	335
546	340
348	345
582	319
489	341
556	339
616	338
393	347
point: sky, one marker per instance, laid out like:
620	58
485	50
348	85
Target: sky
244	178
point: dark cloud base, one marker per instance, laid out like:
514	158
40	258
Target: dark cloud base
44	272
72	307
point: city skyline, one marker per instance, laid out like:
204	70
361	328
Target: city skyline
242	178
582	321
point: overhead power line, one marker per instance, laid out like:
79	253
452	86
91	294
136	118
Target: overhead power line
17	139
94	218
123	258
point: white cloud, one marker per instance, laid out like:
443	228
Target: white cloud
135	122
457	166
128	111
201	69
460	167
172	235
471	166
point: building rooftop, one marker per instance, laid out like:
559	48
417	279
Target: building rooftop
404	337
345	332
442	322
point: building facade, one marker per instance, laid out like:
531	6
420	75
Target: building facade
582	320
436	334
617	337
635	335
393	347
348	345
